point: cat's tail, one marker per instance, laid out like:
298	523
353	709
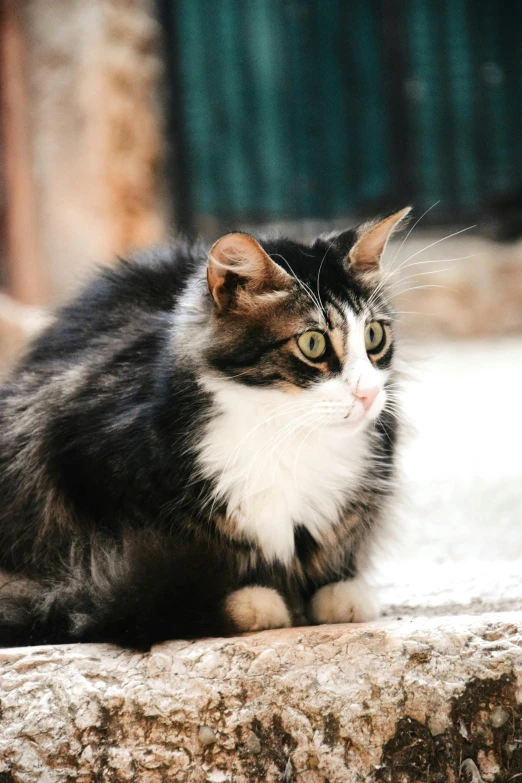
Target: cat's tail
26	617
93	597
131	592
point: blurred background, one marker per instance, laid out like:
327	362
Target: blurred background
124	122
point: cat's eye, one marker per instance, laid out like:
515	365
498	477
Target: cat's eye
374	336
312	344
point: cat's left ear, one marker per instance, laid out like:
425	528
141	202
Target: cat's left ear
363	247
371	239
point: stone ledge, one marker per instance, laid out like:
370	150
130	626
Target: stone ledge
388	701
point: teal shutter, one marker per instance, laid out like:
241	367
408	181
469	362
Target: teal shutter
287	108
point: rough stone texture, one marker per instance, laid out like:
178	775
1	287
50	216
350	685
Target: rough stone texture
390	701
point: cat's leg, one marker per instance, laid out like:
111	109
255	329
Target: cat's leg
256	608
350	601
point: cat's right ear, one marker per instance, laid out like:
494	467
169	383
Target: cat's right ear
237	262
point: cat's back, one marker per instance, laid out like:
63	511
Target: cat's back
118	304
86	391
100	349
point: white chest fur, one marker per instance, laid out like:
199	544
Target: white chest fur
277	465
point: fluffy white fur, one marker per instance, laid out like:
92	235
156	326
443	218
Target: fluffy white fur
284	459
344	602
257	608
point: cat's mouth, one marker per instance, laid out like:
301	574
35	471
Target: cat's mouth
350	409
355	415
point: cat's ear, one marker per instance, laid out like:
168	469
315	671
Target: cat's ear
371	238
237	261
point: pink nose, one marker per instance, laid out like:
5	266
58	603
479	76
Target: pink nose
367	395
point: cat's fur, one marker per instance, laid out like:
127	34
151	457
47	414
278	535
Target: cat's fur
172	465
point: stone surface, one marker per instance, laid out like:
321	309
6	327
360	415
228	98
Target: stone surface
461	459
457	543
388	701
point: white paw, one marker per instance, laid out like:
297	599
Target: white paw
257	608
344	602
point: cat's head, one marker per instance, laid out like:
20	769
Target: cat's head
311	322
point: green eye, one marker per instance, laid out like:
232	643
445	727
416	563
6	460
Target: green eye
312	344
374	336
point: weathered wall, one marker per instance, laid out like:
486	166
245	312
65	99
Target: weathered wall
392	701
93	70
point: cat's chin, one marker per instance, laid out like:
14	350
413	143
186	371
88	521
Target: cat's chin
349	425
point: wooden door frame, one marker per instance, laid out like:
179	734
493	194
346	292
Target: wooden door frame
25	268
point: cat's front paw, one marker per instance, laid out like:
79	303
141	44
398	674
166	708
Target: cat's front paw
256	609
344	602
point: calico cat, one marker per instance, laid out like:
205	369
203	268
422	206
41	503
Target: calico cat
202	443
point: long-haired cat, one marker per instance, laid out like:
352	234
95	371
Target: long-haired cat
203	442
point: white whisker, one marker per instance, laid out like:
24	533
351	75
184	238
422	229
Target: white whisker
433	261
414	312
303	285
437	242
276	439
419	287
390	273
411	229
319	275
313	429
387	271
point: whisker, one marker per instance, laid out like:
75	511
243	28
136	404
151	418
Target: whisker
301	282
437	242
386	431
313	429
415	275
411	229
383	283
414	312
435	261
319	274
299	430
387	274
287	431
286	408
238	375
276	439
422	274
386	277
432	285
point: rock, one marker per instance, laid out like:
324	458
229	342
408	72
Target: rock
206	736
387	701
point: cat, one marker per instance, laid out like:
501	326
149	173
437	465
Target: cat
202	443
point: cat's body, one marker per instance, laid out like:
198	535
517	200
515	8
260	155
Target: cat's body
175	461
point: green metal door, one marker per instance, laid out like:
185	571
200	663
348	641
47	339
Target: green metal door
323	108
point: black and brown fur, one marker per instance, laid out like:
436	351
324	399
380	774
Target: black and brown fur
104	527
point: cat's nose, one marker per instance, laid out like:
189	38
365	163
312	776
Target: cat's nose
367	395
